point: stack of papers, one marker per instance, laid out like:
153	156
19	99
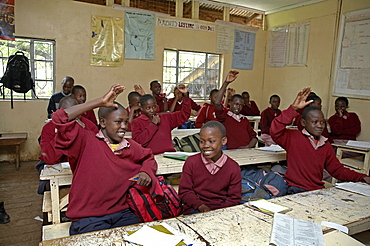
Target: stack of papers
272	148
361	144
269	207
360	188
179	155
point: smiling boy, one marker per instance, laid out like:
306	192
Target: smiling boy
308	152
210	179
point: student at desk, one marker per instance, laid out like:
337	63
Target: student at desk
105	164
67	84
210	179
308	152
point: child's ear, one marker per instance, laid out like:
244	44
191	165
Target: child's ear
224	140
102	122
303	122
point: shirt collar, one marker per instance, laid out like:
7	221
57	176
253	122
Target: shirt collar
220	162
123	144
320	143
237	117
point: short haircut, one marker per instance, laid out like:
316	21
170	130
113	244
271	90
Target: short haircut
133	94
67	102
146	98
313	97
77	87
67	78
343	99
215	124
153	82
103	112
245	93
213	91
308	110
236	96
271	97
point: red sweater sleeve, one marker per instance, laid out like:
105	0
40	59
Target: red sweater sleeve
201	117
49	154
278	130
143	130
350	126
221	113
179	117
195	106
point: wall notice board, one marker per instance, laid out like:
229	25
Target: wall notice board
352	68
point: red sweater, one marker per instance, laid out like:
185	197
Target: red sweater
100	177
346	127
198	186
194	106
252	111
267	116
205	114
90	115
160	102
158	137
305	164
238	133
325	132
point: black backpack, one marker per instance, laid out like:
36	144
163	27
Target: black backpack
17	76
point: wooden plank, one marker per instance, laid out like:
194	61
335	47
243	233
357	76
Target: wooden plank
54	231
338	238
46	202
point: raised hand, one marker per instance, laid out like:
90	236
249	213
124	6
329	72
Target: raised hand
231	76
139	89
300	101
108	99
182	88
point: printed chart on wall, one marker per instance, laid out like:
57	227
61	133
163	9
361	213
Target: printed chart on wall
7	21
106	41
352	70
139	35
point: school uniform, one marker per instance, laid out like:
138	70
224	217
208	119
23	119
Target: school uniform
307	159
252	111
160	102
205	114
346	127
239	131
199	186
325	132
158	137
90	115
100	175
267	116
194	106
54	102
136	115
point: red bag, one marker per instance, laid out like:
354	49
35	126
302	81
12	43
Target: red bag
162	204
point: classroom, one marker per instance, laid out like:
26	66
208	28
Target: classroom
68	23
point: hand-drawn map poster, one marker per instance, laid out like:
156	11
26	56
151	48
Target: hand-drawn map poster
7	20
106	41
139	35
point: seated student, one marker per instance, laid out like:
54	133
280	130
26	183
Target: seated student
207	111
344	125
79	93
308	152
175	103
239	132
161	99
105	164
267	116
210	179
67	84
134	108
250	107
154	131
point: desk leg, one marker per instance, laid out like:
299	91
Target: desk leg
17	157
54	191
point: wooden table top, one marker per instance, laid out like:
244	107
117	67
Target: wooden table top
12	138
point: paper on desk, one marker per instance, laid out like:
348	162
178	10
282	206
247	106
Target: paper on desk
360	188
180	153
289	231
272	148
148	236
361	144
335	226
269	206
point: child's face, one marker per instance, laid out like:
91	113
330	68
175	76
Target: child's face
316	103
211	142
314	123
246	98
213	97
236	105
80	96
275	103
341	106
67	87
149	108
114	126
156	88
134	101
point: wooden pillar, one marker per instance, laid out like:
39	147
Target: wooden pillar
195	10
179	8
226	14
125	3
109	2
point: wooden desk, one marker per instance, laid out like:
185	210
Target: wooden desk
240	225
357	165
256	120
180	133
10	139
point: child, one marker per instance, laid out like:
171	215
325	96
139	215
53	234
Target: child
161	99
105	163
267	117
207	111
67	84
79	93
154	131
308	152
239	132
133	109
175	103
250	107
210	179
344	125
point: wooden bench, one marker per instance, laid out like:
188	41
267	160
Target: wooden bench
55	231
13	139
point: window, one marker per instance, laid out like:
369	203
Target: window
41	58
200	72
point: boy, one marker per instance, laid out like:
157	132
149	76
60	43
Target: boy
104	165
267	116
154	131
239	132
250	108
207	111
67	84
210	179
79	93
133	109
308	152
161	99
175	103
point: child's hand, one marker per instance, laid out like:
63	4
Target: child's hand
156	119
231	76
109	98
142	178
178	94
182	88
367	179
203	208
300	101
139	89
135	107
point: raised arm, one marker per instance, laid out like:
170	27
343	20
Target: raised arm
231	76
139	89
300	100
